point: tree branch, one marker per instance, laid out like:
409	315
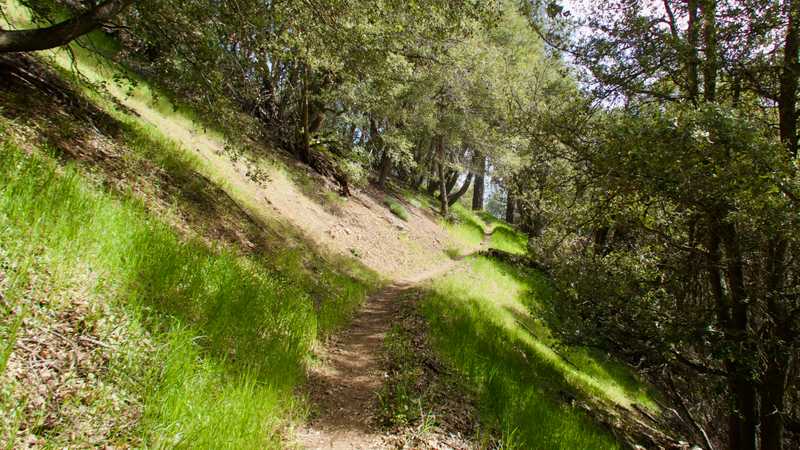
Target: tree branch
61	33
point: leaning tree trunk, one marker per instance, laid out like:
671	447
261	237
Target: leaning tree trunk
452	178
460	193
478	190
442	181
61	33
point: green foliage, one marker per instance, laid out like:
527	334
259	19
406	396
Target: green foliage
480	324
696	165
396	208
622	204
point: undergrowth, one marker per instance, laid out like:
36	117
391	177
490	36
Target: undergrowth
215	340
481	323
396	208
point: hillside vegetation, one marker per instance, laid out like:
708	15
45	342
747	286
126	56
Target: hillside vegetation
393	224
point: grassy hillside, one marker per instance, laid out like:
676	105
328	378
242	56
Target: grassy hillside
483	323
151	297
141	301
158	319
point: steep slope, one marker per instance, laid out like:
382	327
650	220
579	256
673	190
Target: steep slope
360	225
136	292
160	286
266	239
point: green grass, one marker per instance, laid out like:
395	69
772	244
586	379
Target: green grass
398	402
214	341
210	344
509	240
466	229
503	235
481	323
229	333
396	208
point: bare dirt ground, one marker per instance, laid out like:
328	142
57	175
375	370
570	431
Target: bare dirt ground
343	387
360	225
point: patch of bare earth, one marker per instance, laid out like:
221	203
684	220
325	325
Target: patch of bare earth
359	225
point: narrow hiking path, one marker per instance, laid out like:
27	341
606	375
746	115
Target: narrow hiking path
343	387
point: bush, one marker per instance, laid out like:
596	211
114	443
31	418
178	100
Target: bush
397	209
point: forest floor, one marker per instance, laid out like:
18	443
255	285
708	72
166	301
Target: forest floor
343	387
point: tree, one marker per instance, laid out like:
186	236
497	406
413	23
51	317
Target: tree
478	189
61	33
684	152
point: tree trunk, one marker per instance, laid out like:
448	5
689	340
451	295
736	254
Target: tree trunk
463	190
442	182
600	238
386	165
452	178
305	147
743	420
779	358
709	10
418	182
773	400
692	60
61	33
510	204
787	97
433	180
478	189
423	167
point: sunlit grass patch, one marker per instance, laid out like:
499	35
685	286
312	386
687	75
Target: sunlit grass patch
229	334
508	240
396	208
211	360
481	322
466	229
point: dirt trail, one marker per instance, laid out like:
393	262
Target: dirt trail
343	387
